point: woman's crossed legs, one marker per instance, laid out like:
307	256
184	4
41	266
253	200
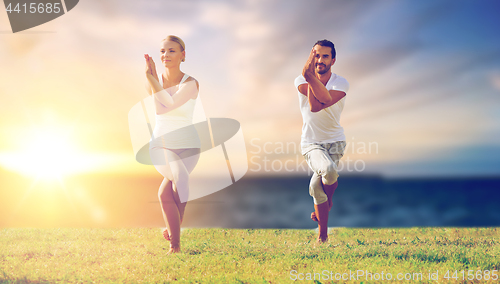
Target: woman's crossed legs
174	190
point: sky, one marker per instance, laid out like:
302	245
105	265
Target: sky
424	97
424	79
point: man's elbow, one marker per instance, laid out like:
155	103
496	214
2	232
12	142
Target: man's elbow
308	76
315	109
326	101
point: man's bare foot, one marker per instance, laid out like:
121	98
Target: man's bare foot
313	217
166	235
322	239
174	249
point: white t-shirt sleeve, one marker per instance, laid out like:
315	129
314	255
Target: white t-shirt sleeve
299	81
339	84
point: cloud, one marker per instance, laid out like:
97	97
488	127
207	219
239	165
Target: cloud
495	79
404	62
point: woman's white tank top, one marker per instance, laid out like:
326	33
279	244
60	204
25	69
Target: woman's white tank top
179	120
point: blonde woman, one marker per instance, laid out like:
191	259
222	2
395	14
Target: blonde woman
175	145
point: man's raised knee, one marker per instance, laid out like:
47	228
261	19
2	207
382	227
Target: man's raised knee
320	199
331	175
318	194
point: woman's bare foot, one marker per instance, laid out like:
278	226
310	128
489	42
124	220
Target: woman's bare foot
313	217
174	249
166	235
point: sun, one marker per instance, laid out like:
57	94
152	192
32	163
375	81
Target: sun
50	155
46	153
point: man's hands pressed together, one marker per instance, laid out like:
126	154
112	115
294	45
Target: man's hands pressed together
318	96
310	67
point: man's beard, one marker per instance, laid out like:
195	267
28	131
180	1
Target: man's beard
323	71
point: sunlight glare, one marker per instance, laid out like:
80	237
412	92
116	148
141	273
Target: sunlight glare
46	154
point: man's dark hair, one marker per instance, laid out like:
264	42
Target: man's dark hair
327	43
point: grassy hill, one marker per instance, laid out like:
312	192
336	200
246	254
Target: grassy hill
250	256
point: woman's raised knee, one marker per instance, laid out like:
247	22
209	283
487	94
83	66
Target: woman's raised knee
165	192
180	177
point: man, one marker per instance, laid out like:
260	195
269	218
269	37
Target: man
322	96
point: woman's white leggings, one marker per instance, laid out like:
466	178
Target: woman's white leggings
176	165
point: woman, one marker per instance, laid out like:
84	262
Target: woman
175	146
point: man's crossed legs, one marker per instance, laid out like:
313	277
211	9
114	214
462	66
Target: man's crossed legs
323	159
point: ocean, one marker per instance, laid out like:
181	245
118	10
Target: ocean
252	202
359	201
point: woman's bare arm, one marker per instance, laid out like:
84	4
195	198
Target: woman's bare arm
187	90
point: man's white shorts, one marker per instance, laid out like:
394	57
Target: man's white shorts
323	159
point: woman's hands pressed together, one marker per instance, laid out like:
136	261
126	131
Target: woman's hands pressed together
150	67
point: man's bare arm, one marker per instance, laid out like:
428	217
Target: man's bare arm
336	96
319	90
309	73
314	104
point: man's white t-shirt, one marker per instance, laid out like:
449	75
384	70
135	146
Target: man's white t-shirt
322	126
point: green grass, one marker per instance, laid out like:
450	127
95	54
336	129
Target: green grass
240	256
